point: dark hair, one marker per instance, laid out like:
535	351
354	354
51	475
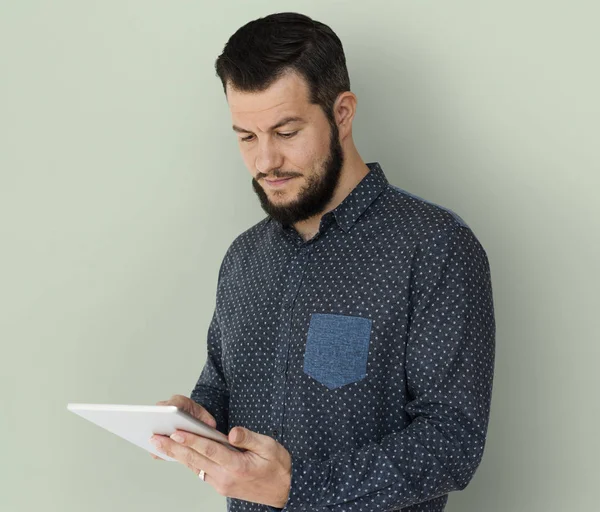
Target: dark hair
265	49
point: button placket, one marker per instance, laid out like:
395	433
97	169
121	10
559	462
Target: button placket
295	275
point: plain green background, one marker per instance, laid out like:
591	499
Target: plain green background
122	187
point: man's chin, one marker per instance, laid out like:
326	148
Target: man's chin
279	212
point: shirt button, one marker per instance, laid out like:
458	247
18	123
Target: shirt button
281	367
275	432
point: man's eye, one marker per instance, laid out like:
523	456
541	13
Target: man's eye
288	135
284	135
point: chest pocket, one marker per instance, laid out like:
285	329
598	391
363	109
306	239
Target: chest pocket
337	349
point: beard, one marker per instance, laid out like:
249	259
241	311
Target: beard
315	195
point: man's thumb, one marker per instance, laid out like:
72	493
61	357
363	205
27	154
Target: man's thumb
244	438
238	436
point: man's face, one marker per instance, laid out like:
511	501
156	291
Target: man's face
306	152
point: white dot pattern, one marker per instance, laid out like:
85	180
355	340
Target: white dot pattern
395	427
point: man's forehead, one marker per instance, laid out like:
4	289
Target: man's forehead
246	117
256	107
286	94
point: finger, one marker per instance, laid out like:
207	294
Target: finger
210	449
187	456
188	405
262	445
208	477
197	411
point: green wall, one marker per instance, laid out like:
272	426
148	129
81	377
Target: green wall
121	187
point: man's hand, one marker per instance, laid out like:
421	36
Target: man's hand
261	474
192	408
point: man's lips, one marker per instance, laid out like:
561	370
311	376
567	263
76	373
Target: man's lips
278	182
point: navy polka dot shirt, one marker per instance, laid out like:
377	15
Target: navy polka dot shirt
367	351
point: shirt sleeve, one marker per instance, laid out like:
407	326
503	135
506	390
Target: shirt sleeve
211	390
449	371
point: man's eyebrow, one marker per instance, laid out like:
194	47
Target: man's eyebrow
284	121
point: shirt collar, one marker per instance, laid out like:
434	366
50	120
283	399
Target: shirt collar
361	197
358	200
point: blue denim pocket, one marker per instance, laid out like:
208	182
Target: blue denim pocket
337	348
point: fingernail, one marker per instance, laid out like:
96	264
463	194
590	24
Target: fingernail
178	438
155	442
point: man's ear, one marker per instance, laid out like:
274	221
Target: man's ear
344	110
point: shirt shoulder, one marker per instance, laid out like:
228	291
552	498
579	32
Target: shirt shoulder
251	236
244	244
422	210
423	221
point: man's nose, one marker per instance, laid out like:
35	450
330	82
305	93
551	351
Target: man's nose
268	157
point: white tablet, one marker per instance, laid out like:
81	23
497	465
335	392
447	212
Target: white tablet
137	423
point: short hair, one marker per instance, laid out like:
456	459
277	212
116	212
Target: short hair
265	49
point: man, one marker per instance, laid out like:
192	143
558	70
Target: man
351	349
